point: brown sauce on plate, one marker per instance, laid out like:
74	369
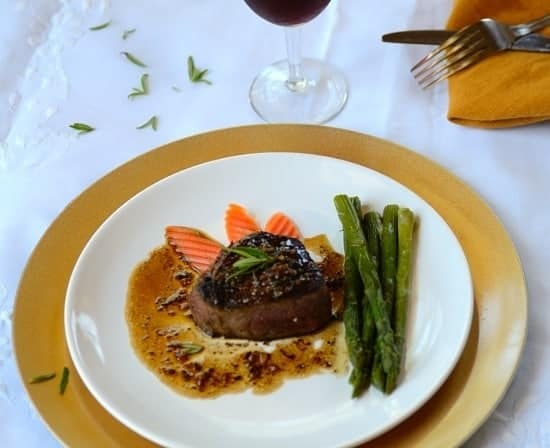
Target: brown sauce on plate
168	342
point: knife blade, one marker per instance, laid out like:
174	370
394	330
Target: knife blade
427	37
532	42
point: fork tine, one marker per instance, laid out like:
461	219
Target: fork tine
459	46
450	41
451	60
461	65
449	69
430	55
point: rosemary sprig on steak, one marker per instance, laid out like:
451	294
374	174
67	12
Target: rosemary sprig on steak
251	259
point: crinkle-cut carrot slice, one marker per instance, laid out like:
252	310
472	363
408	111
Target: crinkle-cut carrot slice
197	248
281	224
238	223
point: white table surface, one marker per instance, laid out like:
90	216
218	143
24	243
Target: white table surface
54	72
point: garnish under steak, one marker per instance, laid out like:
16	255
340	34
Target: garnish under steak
287	298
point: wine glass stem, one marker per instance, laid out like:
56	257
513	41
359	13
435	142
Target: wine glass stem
296	80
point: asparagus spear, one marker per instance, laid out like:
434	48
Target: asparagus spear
352	320
388	260
357	245
353	316
389	254
405	228
372	226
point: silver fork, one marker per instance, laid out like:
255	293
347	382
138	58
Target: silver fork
470	45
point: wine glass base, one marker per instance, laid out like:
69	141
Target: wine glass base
318	99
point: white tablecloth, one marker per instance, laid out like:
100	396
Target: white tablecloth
55	72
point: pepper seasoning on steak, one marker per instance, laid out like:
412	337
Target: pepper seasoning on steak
287	298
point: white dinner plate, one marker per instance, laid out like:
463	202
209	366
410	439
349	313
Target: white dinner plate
313	412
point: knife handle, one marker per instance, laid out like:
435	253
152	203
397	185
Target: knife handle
534	43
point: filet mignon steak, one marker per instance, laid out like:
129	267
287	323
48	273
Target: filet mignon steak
287	298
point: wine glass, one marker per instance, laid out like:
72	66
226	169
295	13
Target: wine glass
296	90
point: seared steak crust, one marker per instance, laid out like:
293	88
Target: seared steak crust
288	298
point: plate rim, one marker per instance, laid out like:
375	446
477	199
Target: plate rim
298	136
122	417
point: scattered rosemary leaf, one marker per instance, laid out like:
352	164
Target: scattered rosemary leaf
133	59
127	33
42	378
64	381
191	348
187	348
196	75
176	89
144	80
162	302
152	122
100	27
83	128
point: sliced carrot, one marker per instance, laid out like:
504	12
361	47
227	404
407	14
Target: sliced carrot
238	223
197	248
280	224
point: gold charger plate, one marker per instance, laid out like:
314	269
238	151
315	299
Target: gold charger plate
465	400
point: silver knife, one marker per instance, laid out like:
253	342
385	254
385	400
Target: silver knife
531	42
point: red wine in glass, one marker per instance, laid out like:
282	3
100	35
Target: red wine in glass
287	12
296	90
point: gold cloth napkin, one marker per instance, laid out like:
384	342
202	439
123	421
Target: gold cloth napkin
507	89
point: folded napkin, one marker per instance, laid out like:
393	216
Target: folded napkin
509	88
